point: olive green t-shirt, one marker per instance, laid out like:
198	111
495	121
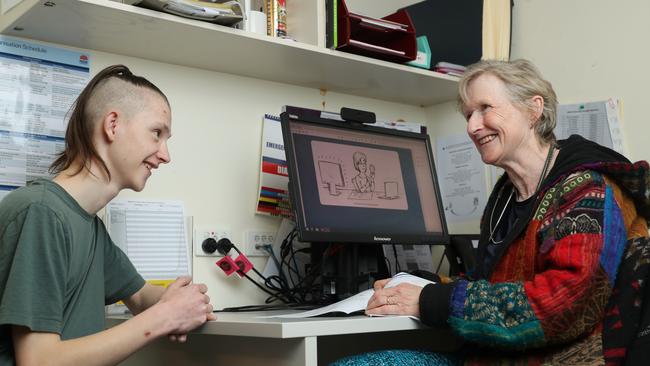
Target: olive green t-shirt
58	266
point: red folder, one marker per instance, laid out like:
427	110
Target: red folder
391	38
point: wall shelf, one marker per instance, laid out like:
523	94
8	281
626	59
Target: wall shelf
118	28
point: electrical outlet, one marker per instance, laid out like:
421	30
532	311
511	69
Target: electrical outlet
256	238
204	232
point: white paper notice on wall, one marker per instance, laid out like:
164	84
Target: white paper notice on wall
152	234
38	84
595	121
461	174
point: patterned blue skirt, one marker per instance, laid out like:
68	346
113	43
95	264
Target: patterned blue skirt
400	358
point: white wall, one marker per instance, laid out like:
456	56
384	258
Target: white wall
590	50
215	151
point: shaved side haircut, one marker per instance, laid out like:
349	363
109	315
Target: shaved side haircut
113	87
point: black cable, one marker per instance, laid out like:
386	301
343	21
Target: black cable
304	285
388	265
281	287
277	287
295	263
269	249
289	256
281	291
397	266
279	283
286	301
267	307
442	257
253	267
285	249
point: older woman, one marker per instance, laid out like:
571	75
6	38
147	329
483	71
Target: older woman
560	226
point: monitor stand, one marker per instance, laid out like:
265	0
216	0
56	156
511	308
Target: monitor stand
347	269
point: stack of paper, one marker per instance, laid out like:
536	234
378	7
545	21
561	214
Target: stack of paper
223	12
449	68
357	303
200	8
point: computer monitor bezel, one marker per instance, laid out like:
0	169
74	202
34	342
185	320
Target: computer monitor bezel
316	118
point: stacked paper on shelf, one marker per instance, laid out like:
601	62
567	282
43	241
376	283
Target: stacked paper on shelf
222	12
449	68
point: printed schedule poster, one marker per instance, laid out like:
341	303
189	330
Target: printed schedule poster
38	84
274	179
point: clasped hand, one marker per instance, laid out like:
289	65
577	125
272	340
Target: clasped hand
403	299
189	307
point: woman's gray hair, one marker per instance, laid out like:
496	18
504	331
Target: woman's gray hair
523	81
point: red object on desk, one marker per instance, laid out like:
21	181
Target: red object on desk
391	38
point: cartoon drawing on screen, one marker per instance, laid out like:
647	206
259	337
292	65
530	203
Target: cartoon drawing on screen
331	175
355	175
364	181
391	191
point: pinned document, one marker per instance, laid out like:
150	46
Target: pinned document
152	234
273	189
595	121
462	178
38	84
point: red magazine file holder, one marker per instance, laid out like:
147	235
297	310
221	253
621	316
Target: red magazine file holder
391	38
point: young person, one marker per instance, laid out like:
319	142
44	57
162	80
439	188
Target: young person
58	265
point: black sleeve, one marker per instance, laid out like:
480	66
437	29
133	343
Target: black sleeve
434	303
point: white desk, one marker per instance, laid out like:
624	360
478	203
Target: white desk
245	339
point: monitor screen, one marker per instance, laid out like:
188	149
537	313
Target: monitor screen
355	183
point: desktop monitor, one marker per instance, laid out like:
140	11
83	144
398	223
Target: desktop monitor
355	183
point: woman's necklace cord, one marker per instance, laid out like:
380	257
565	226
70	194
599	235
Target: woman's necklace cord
494	228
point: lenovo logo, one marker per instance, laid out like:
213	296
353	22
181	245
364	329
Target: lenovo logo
377	238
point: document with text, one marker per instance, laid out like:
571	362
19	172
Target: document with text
357	303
